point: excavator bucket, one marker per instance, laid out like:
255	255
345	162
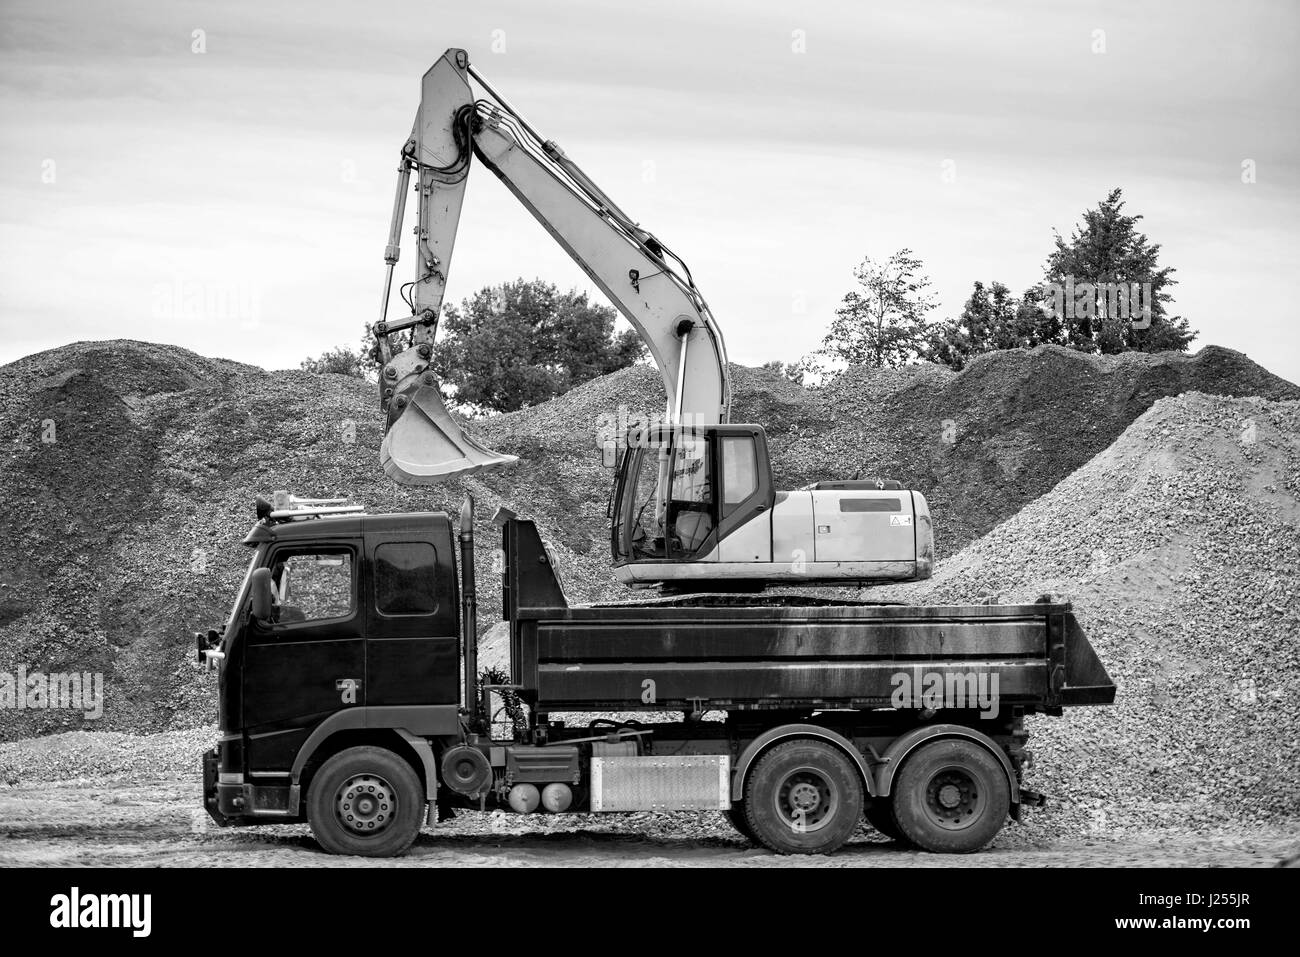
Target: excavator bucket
425	445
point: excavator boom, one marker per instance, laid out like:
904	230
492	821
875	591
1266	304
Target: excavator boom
647	284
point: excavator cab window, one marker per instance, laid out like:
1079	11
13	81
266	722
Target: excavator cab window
667	496
739	471
645	520
690	513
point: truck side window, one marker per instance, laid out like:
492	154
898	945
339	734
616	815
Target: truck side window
312	586
404	578
739	471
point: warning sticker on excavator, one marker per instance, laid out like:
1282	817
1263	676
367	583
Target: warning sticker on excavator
900	520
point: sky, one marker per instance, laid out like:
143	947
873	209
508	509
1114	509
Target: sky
220	175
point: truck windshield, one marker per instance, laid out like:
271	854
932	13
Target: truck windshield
242	593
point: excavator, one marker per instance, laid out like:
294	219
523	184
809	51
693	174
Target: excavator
693	506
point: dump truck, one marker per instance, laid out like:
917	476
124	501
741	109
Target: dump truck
350	695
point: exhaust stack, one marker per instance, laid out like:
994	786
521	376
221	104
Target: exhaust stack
469	606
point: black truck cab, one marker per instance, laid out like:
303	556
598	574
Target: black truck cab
364	622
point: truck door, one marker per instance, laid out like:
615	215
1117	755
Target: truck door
310	661
413	640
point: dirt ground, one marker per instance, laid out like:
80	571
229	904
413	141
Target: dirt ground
156	821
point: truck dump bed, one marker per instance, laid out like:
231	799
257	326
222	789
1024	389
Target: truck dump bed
786	652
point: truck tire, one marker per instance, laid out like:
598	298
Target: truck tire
880	815
367	802
736	815
951	797
803	797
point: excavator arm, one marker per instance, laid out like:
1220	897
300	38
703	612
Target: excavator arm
645	281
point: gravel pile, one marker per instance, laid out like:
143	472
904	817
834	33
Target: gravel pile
1179	546
121	537
98	754
983	443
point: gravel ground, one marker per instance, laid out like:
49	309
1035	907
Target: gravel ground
155	820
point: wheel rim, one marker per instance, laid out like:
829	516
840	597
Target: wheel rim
807	800
954	798
365	804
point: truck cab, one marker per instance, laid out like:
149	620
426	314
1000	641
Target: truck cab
363	624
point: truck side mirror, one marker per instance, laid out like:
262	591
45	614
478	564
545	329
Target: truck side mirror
260	585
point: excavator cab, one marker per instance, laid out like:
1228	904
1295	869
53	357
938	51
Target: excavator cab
694	508
681	490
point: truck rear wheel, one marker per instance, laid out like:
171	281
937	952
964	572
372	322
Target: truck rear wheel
365	801
951	797
803	797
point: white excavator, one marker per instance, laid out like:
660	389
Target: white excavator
693	507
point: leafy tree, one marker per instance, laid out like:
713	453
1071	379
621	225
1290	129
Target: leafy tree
986	321
523	342
884	323
1108	283
794	371
340	359
1036	319
992	319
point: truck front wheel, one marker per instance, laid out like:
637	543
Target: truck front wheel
365	801
951	797
803	797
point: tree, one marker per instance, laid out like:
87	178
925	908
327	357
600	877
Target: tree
1041	323
1107	287
992	319
340	359
794	371
885	323
523	342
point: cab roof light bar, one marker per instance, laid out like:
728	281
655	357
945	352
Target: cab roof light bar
284	507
